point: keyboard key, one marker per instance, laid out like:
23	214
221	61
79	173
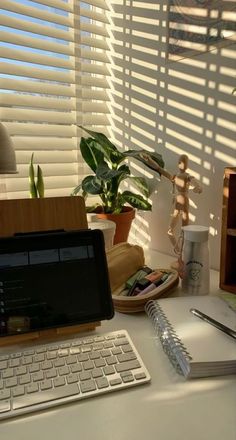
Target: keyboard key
5	406
4	357
127	348
115	382
140	376
85	375
59	381
49	374
45	396
72	378
59	363
20	370
32	388
12	382
97	372
88	385
37	376
27	360
46	384
33	368
24	379
121	341
125	366
5	394
3	365
46	365
39	357
18	391
76	368
83	357
9	372
14	362
102	382
100	363
94	355
62	371
71	360
126	357
111	360
127	379
88	365
109	370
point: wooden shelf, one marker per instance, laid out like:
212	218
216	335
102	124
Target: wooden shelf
228	233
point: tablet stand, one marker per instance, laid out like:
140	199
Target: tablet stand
45	214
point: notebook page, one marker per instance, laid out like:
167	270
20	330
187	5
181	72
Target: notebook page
204	342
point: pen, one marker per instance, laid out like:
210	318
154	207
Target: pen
222	327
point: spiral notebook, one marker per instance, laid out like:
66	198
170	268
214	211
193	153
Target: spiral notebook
195	348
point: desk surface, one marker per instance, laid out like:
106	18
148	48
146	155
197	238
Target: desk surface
169	408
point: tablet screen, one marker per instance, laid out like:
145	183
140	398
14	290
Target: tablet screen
54	279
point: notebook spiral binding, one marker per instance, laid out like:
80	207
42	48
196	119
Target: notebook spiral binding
172	345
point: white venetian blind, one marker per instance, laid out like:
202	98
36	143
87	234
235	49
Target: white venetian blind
53	74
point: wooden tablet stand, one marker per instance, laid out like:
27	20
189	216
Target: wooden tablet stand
45	214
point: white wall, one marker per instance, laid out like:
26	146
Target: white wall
173	108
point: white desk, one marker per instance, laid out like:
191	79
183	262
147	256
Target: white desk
169	408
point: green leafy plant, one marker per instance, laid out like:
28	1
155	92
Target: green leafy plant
109	171
36	183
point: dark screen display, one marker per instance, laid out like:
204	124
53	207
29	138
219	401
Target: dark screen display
52	280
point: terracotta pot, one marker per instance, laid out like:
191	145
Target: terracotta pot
123	223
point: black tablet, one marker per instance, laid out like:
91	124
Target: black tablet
53	279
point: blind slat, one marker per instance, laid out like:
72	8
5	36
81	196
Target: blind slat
23	143
29	57
60	4
8	99
36	43
33	72
36	87
41	14
35	115
49	46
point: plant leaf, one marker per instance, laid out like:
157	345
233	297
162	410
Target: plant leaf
138	155
108	149
90	153
136	200
141	184
32	186
92	185
40	182
105	173
76	190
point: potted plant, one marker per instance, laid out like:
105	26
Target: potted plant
109	171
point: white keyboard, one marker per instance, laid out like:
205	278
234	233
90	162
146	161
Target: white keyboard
52	374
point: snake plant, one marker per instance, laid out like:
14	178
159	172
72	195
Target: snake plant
36	183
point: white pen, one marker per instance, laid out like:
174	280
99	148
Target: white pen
206	318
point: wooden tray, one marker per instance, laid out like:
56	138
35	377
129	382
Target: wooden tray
133	304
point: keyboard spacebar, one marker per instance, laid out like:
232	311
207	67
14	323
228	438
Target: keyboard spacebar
45	396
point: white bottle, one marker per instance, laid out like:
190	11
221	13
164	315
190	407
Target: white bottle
196	260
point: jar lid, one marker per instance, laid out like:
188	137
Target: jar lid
195	233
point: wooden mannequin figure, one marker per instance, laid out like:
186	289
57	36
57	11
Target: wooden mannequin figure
182	182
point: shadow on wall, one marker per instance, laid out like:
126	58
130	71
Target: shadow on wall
175	107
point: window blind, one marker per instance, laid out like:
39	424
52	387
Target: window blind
53	75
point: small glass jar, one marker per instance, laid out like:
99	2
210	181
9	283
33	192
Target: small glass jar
195	258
